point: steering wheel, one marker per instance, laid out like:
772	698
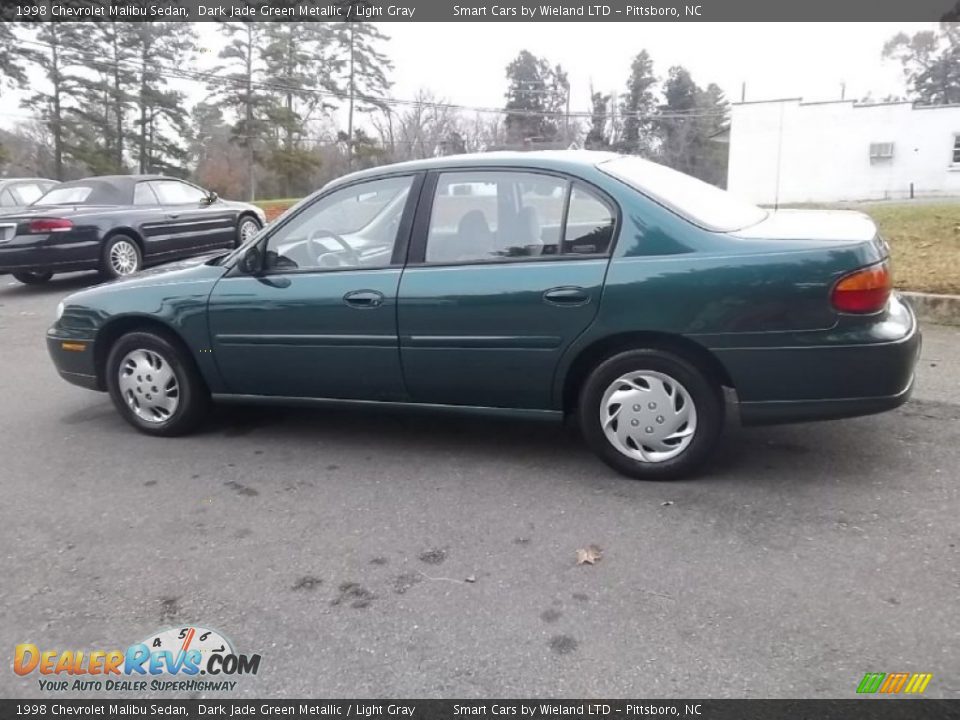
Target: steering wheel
317	235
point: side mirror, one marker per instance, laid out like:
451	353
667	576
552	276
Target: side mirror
212	197
251	261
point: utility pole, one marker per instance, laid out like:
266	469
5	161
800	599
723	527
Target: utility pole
251	170
350	108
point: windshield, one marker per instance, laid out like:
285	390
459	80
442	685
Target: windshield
702	204
66	195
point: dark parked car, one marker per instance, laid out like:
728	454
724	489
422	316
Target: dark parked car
118	224
546	284
17	193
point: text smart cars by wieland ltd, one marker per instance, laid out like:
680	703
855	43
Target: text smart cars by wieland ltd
630	295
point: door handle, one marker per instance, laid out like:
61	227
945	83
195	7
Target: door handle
566	296
364	299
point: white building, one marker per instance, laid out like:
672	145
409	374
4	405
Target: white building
789	151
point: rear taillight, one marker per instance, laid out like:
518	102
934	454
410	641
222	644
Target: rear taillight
50	225
863	291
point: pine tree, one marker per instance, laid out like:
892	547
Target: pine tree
299	61
536	97
104	97
598	137
238	87
365	68
688	121
638	106
56	56
159	113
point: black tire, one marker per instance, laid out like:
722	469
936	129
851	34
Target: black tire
707	402
193	398
245	222
33	278
110	268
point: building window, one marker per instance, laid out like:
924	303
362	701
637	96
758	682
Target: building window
956	149
882	151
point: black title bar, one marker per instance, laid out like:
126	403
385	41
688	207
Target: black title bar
483	10
875	709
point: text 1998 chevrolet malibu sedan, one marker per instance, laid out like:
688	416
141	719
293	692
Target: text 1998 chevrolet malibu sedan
537	283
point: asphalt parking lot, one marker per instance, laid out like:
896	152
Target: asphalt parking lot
338	545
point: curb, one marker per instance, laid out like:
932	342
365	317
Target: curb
939	309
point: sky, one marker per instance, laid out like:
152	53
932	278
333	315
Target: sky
464	62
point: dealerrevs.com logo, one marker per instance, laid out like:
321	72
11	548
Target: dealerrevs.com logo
189	659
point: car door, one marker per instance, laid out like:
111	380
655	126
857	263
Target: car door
193	222
318	320
151	221
506	269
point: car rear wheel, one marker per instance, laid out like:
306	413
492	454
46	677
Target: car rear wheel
121	257
650	414
154	385
33	278
246	229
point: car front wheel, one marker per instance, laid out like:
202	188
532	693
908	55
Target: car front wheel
154	385
650	414
121	257
33	278
246	229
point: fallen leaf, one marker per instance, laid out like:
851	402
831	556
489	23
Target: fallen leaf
589	555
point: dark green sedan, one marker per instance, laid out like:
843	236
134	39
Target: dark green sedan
648	304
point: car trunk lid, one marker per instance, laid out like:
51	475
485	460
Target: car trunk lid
842	226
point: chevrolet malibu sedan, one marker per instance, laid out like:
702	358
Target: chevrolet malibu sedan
648	304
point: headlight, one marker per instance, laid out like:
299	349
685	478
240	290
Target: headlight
59	311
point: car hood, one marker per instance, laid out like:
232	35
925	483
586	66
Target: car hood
192	274
838	225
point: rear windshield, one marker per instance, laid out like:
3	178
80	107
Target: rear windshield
702	204
66	195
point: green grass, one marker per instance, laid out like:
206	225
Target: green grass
924	240
273	208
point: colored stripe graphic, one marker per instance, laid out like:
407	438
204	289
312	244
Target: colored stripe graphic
894	683
870	683
918	683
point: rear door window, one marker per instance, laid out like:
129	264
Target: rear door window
590	224
494	215
143	195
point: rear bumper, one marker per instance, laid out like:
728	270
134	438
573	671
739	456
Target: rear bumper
858	371
789	411
49	253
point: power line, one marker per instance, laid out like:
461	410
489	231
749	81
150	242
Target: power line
200	76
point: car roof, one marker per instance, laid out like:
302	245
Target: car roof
7	181
118	180
559	160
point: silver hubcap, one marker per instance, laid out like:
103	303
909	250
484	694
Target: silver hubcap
123	258
648	416
149	386
247	230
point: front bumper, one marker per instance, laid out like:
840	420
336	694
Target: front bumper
74	359
858	371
